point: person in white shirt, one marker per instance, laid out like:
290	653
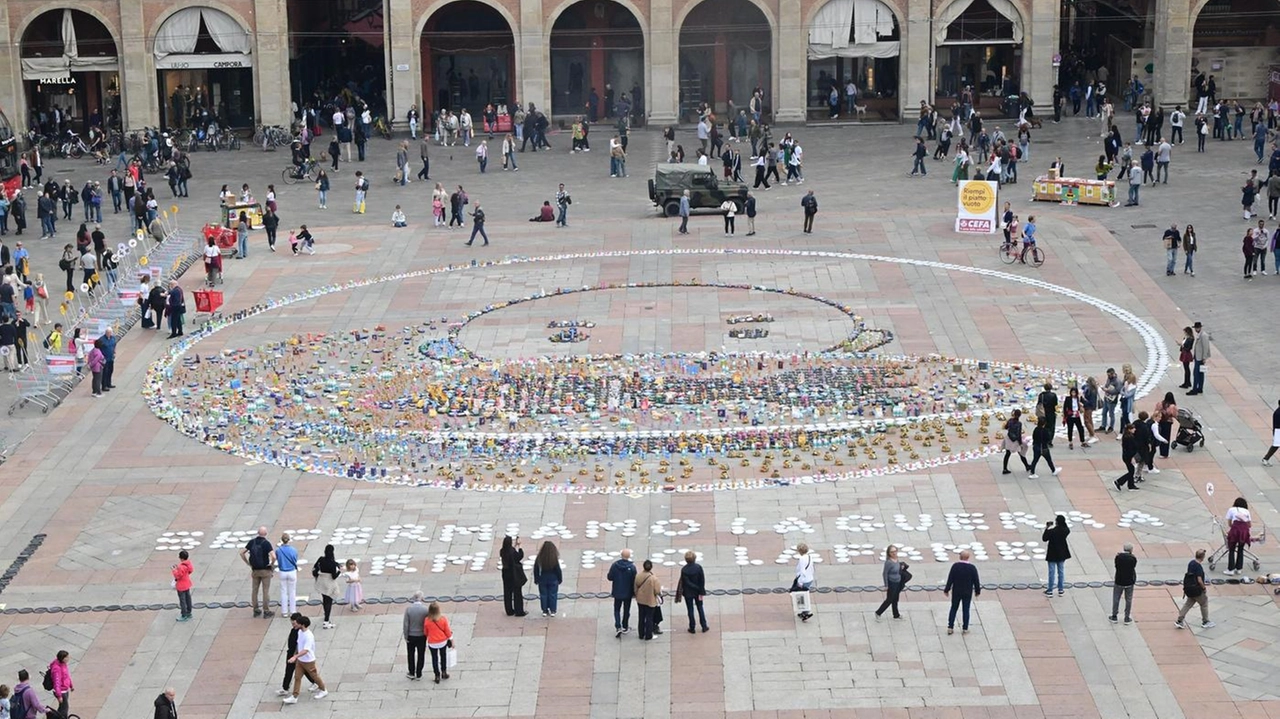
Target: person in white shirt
466	127
804	575
728	208
305	662
796	164
702	158
1239	522
398	219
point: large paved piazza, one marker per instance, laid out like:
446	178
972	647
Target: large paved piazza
116	490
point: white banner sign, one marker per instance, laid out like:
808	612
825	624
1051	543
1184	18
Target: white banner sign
219	61
976	207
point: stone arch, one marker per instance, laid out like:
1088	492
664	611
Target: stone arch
422	66
878	77
642	23
211	4
891	4
21	28
438	5
719	83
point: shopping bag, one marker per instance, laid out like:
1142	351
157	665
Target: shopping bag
452	659
801	603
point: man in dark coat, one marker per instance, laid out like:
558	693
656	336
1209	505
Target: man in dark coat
963	580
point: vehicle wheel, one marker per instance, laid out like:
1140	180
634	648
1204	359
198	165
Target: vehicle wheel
75	153
1037	257
1212	565
672	208
287	176
1007	253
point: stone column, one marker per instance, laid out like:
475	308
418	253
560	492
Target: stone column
139	98
12	96
404	75
661	54
791	65
271	62
915	58
1041	28
533	57
1173	36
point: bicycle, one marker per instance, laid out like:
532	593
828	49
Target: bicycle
1010	253
292	174
380	126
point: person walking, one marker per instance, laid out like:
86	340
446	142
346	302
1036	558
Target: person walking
402	163
692	588
1072	417
509	153
622	587
1126	577
1239	522
893	581
287	563
1172	241
684	213
1013	442
482	155
424	153
513	579
1164	153
963	580
291	648
182	572
457	204
1041	447
1056	552
1089	405
326	571
260	556
439	640
1196	592
362	189
810	205
415	634
304	661
60	673
1275	437
804	578
322	188
270	223
1131	453
548	576
648	596
165	704
918	154
477	226
1200	353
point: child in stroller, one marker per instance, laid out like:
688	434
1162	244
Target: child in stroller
1190	431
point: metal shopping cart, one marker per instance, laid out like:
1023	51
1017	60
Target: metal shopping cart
1220	552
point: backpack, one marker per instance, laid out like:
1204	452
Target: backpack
1191	586
18	704
47	683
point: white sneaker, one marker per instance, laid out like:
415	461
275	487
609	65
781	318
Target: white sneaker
282	692
1033	476
1154	470
320	694
328	625
1057	471
290	700
1228	572
1266	463
1208	625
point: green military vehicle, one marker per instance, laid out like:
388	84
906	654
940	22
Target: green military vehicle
705	189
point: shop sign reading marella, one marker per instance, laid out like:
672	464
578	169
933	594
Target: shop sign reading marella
976	207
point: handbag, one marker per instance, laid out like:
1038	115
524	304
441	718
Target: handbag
801	602
906	574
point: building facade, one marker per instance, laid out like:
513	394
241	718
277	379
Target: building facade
144	63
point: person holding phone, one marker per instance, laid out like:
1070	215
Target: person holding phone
1057	552
513	577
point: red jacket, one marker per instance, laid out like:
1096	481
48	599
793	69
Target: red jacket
182	572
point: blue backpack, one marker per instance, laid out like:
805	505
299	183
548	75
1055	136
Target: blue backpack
18	704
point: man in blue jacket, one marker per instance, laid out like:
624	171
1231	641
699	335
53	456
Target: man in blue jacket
964	580
622	574
109	353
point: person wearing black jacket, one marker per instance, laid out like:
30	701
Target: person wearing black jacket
1057	552
1126	577
1013	442
1048	402
513	577
1148	441
291	648
1041	443
155	302
692	587
271	223
18	210
165	706
963	578
1129	451
326	571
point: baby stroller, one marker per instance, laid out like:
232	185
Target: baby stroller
1190	431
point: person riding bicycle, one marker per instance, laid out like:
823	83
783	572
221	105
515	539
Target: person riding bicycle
299	159
1028	236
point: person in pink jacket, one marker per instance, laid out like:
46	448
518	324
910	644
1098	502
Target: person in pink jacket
97	361
182	583
62	685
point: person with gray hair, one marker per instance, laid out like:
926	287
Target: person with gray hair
1126	576
414	636
166	707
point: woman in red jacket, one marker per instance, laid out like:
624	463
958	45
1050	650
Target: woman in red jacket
439	640
182	572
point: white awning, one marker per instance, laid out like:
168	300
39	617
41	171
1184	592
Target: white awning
45	68
204	62
59	68
957	8
866	20
180	32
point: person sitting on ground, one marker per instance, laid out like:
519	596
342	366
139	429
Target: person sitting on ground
398	219
545	213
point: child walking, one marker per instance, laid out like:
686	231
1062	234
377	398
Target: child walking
355	591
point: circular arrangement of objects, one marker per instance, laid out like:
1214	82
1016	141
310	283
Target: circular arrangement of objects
407	406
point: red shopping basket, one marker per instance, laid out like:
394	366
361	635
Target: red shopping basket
224	237
208	300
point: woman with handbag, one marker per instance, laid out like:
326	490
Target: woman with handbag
896	577
804	576
439	640
1184	356
648	596
1013	435
326	571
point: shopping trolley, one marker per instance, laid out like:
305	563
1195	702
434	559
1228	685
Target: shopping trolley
37	385
1221	552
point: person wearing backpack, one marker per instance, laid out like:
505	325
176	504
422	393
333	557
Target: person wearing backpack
1195	591
260	556
58	681
1126	576
25	702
